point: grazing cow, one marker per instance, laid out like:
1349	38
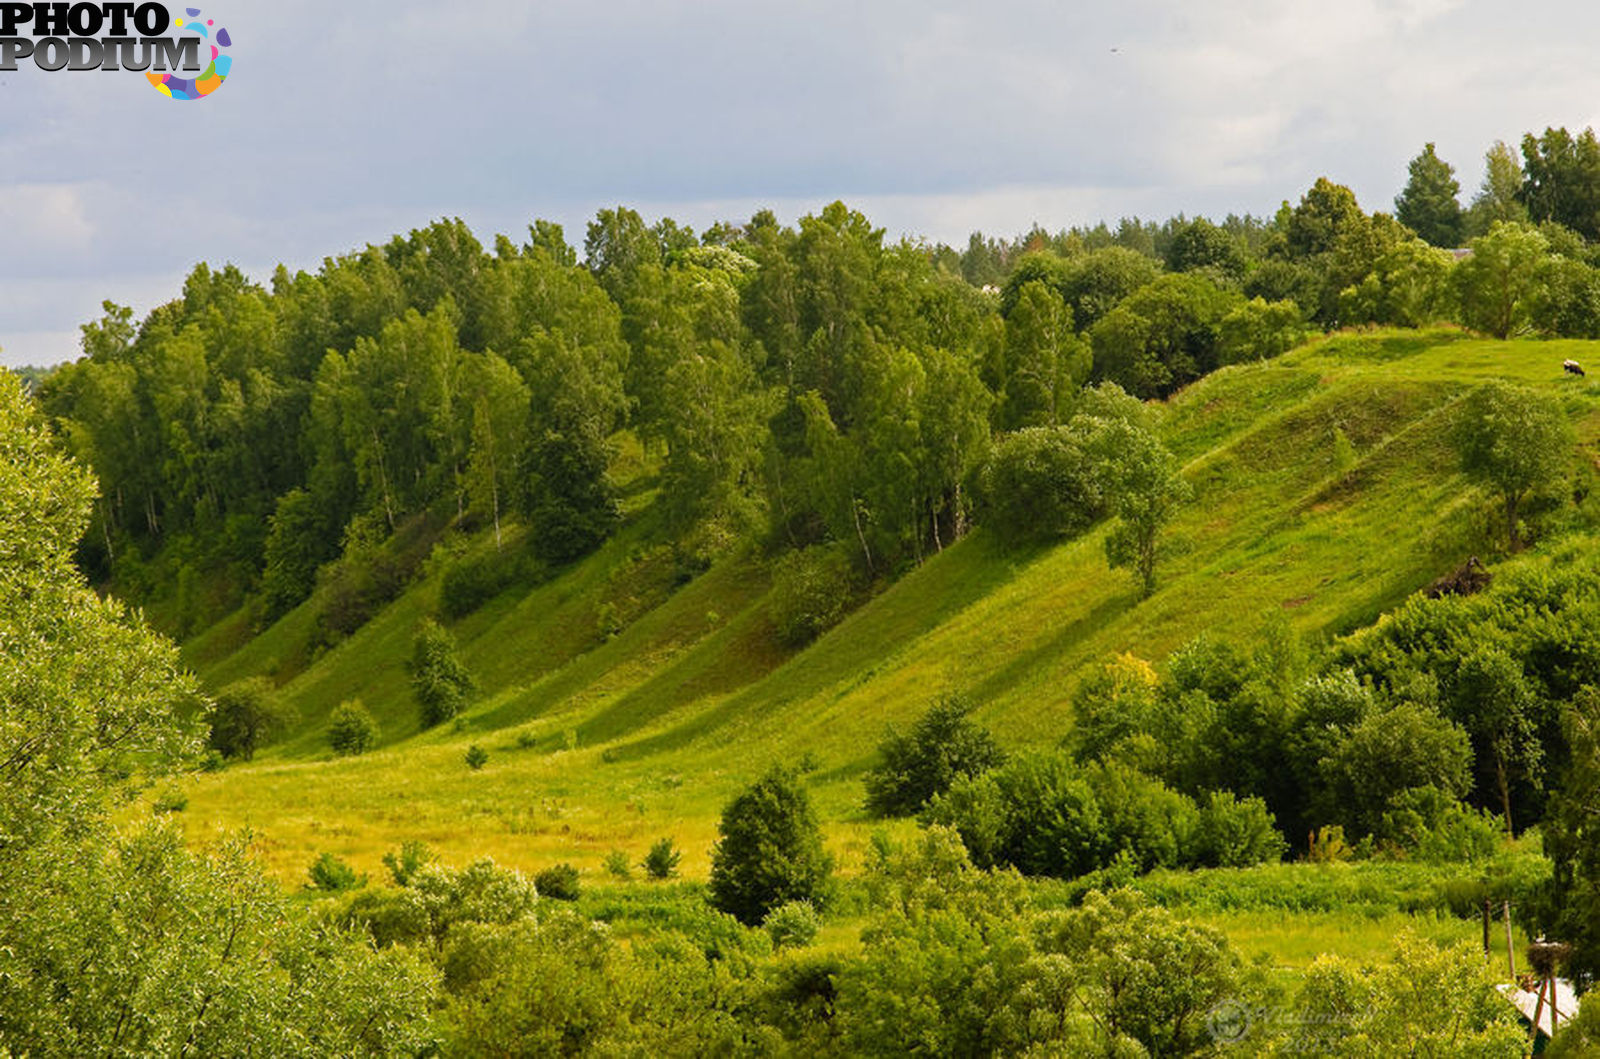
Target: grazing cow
1572	367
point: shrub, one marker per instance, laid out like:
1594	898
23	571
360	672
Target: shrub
1039	484
248	714
811	591
770	850
476	757
1234	833
617	865
470	583
559	883
439	681
662	860
792	925
941	747
351	729
212	761
405	862
1434	827
1037	814
331	875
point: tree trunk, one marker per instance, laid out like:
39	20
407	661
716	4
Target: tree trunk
1505	788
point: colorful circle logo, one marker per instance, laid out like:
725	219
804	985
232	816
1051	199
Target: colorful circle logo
216	73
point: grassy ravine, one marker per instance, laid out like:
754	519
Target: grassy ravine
598	744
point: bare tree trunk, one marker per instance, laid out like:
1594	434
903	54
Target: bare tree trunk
1505	788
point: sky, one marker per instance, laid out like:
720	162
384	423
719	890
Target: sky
346	123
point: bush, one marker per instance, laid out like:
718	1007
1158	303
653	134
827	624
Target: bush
476	757
792	925
617	865
405	862
248	714
811	592
942	747
351	729
662	860
1431	825
212	761
470	583
439	681
1039	484
770	850
1234	833
331	875
559	883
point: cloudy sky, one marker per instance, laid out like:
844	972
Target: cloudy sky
346	122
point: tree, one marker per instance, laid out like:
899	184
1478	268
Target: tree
1571	906
96	920
1494	701
1386	754
1561	179
1145	488
439	681
1045	359
1514	441
1499	198
941	747
351	729
1428	205
1039	484
770	851
1260	330
1201	244
247	714
1501	282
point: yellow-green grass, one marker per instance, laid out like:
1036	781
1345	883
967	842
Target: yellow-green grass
598	743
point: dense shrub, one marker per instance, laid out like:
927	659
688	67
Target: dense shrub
559	883
811	591
1039	484
330	874
405	862
792	925
941	747
351	729
441	684
1235	833
476	757
469	583
770	851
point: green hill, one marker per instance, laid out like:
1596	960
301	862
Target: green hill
618	706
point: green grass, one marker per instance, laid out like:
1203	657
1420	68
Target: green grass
598	743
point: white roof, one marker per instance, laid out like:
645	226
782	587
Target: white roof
1528	1003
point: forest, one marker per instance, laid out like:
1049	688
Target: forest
260	550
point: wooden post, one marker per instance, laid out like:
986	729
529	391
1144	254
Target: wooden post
1511	952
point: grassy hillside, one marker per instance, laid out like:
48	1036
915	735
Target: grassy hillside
1326	492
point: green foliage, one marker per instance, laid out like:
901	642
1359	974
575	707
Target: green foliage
439	681
1040	484
1162	336
1259	330
559	883
1561	179
404	863
1514	441
246	715
331	875
942	747
437	899
471	582
476	757
1428	205
792	925
811	593
1502	282
1236	833
170	800
1571	905
351	729
1427	1000
770	850
1389	753
617	865
661	862
1146	487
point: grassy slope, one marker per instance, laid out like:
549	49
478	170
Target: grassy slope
599	744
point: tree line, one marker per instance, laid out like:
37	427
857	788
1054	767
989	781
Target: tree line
807	387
